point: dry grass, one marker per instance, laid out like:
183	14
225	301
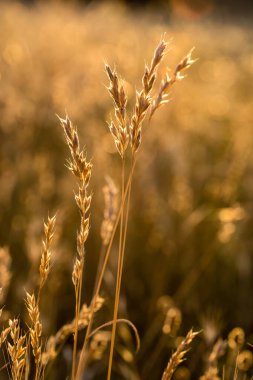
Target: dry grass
178	228
178	356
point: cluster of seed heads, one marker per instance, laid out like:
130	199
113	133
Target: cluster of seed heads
123	130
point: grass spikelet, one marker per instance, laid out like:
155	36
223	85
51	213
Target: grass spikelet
178	356
119	130
35	329
143	98
169	81
17	350
49	227
149	76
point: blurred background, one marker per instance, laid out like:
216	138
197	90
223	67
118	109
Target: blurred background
190	237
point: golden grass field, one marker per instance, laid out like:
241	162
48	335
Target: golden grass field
189	243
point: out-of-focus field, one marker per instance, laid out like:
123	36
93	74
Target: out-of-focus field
190	233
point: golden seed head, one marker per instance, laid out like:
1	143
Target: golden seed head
245	360
49	227
169	81
236	338
178	355
119	129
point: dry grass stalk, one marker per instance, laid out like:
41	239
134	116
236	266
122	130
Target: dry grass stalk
81	168
5	273
110	211
82	361
169	81
32	303
143	101
49	227
178	356
17	350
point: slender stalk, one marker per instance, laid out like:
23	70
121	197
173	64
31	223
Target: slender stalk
78	291
82	363
75	337
118	280
126	225
100	263
129	323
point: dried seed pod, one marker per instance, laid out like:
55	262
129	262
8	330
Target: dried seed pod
236	338
245	360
